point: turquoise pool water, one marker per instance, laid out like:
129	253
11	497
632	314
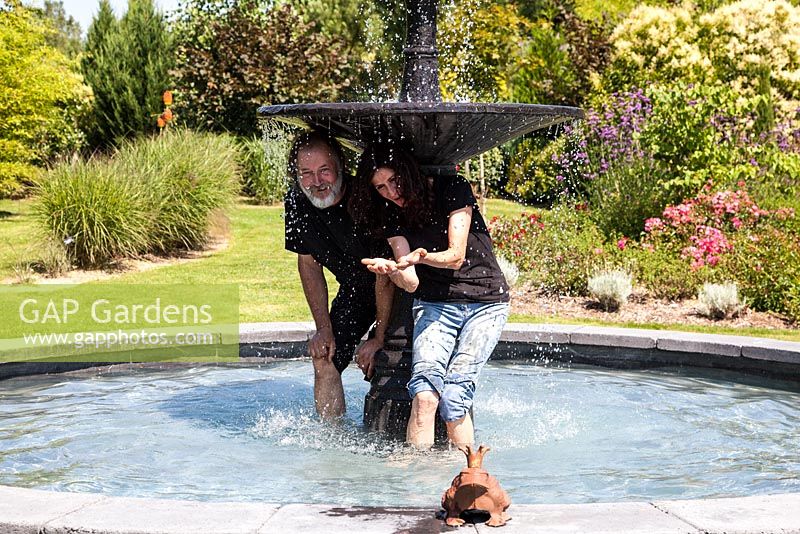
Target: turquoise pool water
558	435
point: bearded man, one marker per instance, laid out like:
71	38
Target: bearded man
322	234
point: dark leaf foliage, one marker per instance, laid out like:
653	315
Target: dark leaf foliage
234	56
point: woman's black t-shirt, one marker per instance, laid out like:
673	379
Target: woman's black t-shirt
479	279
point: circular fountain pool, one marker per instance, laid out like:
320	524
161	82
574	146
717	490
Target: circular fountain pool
559	435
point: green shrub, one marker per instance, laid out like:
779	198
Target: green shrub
533	174
42	99
555	251
682	136
494	166
154	195
621	198
663	273
235	55
546	54
263	166
766	266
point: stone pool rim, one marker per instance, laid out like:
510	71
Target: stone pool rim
25	510
613	347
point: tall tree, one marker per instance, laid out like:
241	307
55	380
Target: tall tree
66	34
374	36
127	64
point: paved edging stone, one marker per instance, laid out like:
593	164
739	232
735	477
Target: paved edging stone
28	511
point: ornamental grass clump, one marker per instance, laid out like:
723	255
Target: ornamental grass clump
720	301
610	288
189	175
264	168
94	211
155	195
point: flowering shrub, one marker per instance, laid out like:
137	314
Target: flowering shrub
555	250
766	266
608	136
656	43
746	36
511	236
731	45
699	225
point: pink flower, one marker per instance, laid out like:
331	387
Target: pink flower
697	264
680	214
598	251
653	223
622	243
737	223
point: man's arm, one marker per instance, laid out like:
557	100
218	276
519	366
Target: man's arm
384	295
321	344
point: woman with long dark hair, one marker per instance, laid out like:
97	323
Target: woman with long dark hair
443	255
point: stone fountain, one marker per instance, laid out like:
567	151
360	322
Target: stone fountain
440	135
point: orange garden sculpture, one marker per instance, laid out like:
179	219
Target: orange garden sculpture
474	489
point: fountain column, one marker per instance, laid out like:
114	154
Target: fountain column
421	66
387	406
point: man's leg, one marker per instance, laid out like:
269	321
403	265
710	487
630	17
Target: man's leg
352	313
328	390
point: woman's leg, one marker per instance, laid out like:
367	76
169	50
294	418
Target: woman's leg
478	337
420	431
460	432
435	331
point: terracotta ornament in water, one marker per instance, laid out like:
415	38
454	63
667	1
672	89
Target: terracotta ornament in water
475	489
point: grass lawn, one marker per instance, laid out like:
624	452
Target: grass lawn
505	208
18	242
269	287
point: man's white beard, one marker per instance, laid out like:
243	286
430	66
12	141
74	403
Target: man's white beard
328	200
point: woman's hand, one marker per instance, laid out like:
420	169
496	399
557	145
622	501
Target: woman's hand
412	258
380	265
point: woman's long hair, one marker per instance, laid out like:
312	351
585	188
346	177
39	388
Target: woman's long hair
370	210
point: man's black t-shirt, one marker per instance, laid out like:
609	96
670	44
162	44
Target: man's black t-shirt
479	279
330	237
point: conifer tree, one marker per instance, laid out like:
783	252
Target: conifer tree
127	65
